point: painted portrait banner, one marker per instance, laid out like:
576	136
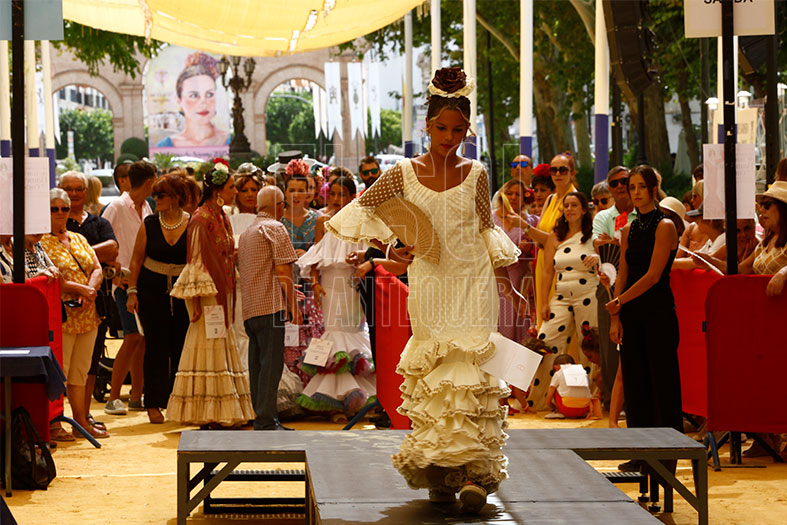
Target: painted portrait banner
188	112
37	217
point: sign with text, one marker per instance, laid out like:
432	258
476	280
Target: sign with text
513	363
214	321
37	217
702	18
713	167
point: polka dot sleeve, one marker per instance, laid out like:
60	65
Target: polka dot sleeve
357	221
502	250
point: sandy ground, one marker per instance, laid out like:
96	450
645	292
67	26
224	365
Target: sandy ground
131	479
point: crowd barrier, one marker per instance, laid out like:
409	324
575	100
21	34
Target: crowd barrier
746	356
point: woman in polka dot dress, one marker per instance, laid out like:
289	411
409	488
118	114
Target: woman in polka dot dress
573	305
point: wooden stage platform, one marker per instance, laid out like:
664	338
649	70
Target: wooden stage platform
350	479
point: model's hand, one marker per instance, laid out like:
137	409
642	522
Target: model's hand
605	281
545	312
363	269
300	253
604	238
197	305
776	284
318	293
299	295
132	304
297	317
613	307
88	293
616	330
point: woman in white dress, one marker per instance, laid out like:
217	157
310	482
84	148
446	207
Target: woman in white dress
346	382
457	438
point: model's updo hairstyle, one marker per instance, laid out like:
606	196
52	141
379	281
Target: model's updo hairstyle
449	80
209	188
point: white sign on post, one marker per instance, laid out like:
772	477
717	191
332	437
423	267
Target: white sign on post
37	216
702	18
713	168
291	335
318	352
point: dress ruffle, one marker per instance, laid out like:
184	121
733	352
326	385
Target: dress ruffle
456	416
356	223
502	251
330	251
194	281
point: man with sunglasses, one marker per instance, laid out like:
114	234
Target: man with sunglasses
607	226
369	171
522	169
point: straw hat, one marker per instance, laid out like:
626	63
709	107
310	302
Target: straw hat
412	226
778	191
674	205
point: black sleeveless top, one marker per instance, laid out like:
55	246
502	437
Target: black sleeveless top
641	241
158	248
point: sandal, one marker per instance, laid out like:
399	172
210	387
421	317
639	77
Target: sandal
60	434
95	424
93	431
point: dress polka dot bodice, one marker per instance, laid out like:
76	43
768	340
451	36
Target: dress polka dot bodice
572	278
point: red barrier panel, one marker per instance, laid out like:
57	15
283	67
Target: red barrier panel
392	328
690	287
747	356
24	312
51	291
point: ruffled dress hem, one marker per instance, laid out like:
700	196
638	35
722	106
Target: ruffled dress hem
356	223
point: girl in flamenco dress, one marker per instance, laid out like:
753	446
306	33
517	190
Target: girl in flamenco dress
344	385
457	437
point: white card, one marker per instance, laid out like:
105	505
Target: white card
14	352
139	324
574	375
214	321
318	352
513	363
292	334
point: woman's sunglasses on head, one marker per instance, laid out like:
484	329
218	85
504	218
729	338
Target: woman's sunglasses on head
522	163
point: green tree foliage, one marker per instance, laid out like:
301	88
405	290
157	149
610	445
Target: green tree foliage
281	113
93	134
390	132
136	146
94	46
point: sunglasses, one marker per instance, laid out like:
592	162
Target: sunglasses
766	204
562	170
603	201
372	171
522	163
616	182
64	209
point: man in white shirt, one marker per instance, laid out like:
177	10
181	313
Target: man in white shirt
126	215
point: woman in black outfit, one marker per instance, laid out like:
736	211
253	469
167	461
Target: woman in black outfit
643	311
159	257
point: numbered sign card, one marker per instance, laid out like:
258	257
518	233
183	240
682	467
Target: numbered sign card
214	321
318	352
291	335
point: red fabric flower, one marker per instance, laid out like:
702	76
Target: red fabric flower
220	160
542	170
530	196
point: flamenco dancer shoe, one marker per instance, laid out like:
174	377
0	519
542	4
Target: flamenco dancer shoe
473	498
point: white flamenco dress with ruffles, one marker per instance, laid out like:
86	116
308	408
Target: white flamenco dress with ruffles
457	420
347	380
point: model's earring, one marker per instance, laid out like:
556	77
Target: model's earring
463	148
220	201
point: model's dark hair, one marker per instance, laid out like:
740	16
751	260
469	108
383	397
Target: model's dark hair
544	180
648	174
297	178
781	240
346	183
121	170
208	188
449	80
590	339
139	172
561	226
173	185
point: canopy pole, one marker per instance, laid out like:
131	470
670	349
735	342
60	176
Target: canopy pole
18	135
526	78
601	96
5	101
469	52
46	66
407	101
437	37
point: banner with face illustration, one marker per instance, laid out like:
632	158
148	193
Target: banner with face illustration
188	110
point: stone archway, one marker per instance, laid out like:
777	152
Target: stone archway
271	82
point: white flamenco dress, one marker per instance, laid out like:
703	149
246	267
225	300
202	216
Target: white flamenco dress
347	381
454	406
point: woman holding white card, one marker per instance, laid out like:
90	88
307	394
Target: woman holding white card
346	380
211	388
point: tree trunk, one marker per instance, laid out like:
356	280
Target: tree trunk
685	113
552	124
582	135
656	138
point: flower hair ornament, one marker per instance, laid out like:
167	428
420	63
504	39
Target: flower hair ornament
451	82
220	172
297	167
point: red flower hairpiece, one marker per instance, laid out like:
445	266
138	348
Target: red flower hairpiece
542	170
530	196
297	167
220	160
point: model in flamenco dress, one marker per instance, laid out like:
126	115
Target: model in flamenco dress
457	437
346	382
